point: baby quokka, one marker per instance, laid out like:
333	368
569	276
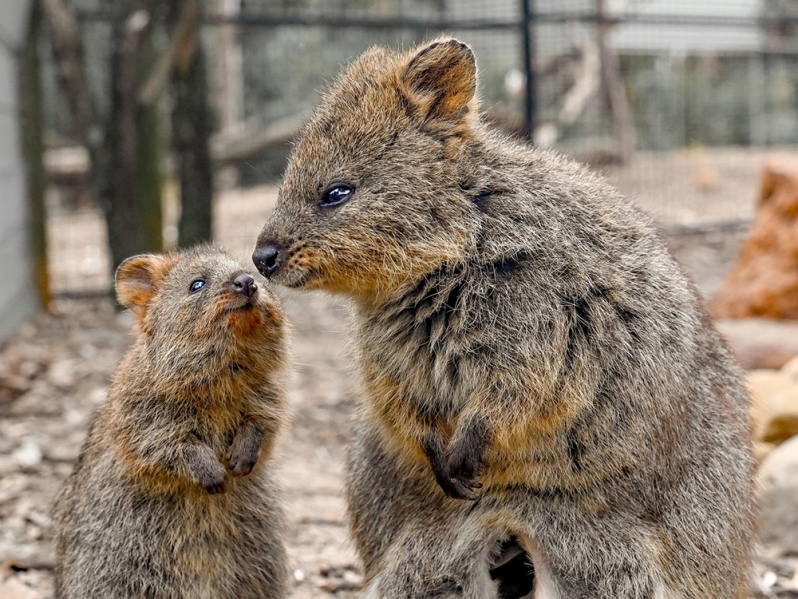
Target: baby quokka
172	496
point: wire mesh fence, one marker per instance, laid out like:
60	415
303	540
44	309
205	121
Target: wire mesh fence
677	102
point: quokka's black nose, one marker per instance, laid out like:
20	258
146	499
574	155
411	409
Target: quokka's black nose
245	285
268	258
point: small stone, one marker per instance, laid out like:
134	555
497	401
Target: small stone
761	342
780	468
13	588
88	351
126	319
17	384
28	369
28	454
769	579
62	374
353	578
299	575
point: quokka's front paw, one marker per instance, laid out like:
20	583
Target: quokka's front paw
243	456
213	479
466	457
459	489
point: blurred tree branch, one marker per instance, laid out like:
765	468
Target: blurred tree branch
182	45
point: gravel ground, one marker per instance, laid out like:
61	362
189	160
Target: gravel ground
54	374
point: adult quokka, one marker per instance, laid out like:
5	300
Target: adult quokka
536	370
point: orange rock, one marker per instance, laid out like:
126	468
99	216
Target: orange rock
764	279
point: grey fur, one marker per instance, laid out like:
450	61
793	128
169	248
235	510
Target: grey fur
523	336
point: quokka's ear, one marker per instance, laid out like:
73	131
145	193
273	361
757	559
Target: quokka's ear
440	79
137	280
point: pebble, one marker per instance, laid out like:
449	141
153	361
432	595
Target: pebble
29	454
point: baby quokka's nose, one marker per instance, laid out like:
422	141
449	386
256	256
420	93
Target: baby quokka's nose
245	285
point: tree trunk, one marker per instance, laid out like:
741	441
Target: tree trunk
30	103
149	159
191	131
132	196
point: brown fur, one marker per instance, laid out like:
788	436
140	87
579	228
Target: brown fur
524	338
171	497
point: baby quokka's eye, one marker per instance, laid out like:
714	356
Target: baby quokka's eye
196	285
336	194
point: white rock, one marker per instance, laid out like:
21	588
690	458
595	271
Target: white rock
780	467
790	370
62	374
28	454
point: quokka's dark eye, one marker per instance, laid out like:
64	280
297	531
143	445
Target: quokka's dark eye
336	194
196	285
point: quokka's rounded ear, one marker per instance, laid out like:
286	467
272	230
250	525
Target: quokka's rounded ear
137	280
440	79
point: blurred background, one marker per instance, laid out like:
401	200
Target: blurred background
677	101
142	125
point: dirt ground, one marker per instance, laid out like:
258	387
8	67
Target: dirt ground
55	372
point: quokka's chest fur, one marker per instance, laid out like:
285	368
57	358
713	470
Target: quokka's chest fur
559	360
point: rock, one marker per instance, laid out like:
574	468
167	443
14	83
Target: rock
17	384
774	410
764	279
790	370
62	374
780	468
778	477
762	450
783	422
13	588
761	342
39	555
763	385
28	454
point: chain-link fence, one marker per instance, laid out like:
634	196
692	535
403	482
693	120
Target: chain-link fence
677	102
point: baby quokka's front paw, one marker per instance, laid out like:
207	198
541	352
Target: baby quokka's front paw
213	478
211	475
245	450
205	468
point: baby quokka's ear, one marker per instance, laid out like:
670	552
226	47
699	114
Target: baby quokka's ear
440	80
137	280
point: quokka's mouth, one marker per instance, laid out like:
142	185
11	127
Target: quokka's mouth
244	306
293	278
240	306
301	281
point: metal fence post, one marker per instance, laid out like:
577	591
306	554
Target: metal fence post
32	124
528	36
